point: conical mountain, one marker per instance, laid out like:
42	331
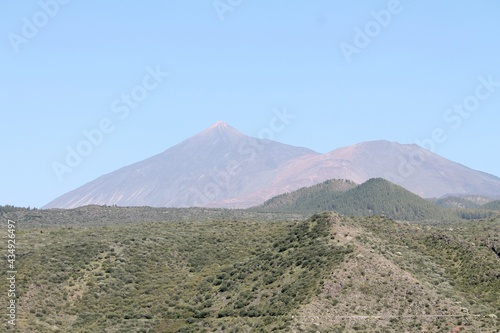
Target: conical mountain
378	196
215	165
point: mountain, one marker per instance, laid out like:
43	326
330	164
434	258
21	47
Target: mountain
376	196
221	167
410	166
216	164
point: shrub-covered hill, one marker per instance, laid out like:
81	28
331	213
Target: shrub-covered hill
374	197
405	277
328	273
171	277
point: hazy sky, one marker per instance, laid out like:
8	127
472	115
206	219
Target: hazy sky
348	71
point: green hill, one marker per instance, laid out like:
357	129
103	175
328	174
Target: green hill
380	197
308	199
493	205
374	197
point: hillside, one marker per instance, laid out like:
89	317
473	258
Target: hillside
456	202
380	197
328	273
493	205
374	197
409	278
316	198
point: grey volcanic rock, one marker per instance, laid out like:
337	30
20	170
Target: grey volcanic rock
220	167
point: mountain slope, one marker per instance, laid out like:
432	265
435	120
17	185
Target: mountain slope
456	202
216	164
220	167
410	166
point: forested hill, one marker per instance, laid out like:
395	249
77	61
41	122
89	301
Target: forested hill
309	199
374	197
494	205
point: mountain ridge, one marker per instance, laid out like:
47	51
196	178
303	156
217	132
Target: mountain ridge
222	167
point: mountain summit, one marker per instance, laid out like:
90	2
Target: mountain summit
220	131
221	167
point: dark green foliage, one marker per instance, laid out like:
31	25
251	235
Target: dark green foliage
94	215
308	199
374	197
381	197
474	214
13	209
276	281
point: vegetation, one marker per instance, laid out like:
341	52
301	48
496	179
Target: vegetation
112	269
170	277
405	277
457	202
312	199
94	215
493	205
374	197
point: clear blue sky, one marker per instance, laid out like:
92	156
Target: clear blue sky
69	73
